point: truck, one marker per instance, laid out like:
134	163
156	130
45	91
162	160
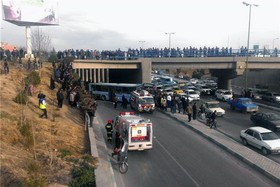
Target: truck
136	130
243	104
142	101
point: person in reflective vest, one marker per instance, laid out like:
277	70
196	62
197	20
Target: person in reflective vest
43	106
109	129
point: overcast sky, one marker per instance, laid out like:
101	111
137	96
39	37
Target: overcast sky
113	24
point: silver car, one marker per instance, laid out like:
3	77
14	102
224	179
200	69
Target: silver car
261	138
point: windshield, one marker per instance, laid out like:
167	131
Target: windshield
246	102
192	92
205	87
269	136
213	105
227	93
273	117
146	101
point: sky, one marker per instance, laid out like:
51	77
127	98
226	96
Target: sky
123	24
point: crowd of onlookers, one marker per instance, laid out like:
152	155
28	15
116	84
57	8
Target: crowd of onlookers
147	53
163	52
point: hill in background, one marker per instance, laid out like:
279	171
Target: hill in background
33	147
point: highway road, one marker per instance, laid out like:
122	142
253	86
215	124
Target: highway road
233	122
181	157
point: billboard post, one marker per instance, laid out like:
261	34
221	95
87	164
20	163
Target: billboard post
30	13
28	42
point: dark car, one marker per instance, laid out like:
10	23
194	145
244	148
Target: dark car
267	120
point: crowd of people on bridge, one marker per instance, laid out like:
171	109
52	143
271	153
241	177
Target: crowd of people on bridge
146	53
163	52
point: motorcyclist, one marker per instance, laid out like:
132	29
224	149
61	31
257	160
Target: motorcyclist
118	144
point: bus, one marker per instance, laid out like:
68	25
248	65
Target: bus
106	91
136	130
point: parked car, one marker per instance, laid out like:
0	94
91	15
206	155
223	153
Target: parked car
243	104
268	120
223	94
180	95
211	106
271	96
261	138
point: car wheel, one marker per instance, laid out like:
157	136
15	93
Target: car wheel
244	141
264	151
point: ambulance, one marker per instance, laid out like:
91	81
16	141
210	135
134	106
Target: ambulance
142	101
136	130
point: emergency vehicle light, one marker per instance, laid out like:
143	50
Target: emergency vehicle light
126	113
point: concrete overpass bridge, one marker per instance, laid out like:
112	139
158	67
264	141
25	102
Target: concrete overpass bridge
138	71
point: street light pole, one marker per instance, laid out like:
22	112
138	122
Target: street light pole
169	33
273	42
248	39
142	43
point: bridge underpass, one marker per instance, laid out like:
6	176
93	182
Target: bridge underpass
139	71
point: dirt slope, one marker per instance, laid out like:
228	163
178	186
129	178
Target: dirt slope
61	134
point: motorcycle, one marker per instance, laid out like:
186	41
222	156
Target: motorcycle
123	165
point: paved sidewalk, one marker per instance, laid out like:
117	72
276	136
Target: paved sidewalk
257	161
103	173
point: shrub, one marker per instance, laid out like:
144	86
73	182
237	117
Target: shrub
83	175
34	179
21	98
26	132
52	58
64	153
33	78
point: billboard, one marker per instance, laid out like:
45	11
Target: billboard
30	12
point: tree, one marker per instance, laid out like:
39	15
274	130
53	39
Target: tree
41	42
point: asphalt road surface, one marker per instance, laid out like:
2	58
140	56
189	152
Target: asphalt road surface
233	122
180	157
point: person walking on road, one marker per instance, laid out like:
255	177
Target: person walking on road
115	101
189	112
109	130
213	120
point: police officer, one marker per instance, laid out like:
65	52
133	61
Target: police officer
109	130
43	106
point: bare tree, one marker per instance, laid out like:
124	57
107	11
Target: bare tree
41	42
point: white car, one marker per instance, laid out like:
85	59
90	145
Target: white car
193	94
204	89
211	106
261	138
180	95
223	94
